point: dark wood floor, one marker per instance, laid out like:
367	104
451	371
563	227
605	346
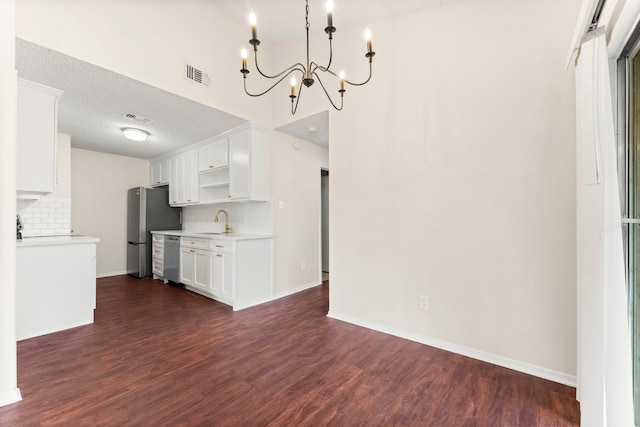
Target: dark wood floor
158	355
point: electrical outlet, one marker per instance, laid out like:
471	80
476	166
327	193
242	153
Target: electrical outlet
424	302
304	265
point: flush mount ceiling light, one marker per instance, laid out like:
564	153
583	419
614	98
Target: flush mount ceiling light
311	69
135	134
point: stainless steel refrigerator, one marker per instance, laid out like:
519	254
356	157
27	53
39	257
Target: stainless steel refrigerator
147	210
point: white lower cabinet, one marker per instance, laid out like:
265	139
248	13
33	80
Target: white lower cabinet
202	269
187	265
157	256
221	278
235	272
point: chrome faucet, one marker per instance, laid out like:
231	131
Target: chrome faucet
227	229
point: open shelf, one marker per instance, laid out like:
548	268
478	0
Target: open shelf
215	184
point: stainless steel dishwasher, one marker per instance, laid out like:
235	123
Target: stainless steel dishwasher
171	268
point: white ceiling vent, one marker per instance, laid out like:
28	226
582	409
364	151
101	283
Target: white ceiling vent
137	119
196	75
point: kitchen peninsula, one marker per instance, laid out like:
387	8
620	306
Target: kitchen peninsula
55	283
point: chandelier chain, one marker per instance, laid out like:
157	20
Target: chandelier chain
306	16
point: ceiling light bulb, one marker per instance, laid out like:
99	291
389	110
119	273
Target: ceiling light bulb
243	53
135	134
329	6
252	19
341	75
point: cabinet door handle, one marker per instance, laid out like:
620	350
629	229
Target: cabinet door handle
219	255
211	166
191	250
219	246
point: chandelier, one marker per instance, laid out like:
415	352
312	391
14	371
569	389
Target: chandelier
309	71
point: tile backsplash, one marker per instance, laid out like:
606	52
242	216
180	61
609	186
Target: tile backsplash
45	216
252	217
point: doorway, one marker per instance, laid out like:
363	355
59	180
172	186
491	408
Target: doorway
324	221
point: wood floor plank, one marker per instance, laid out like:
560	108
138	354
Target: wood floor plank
162	356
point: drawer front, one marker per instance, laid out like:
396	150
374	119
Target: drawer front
158	238
157	267
157	250
221	246
194	242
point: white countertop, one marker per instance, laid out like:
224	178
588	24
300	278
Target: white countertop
55	240
221	236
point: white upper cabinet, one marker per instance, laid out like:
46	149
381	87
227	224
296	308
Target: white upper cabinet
183	179
249	164
214	155
231	167
160	172
37	137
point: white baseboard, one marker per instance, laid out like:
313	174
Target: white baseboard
113	273
296	290
494	359
11	397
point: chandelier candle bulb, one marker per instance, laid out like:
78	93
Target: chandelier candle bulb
244	58
367	36
329	13
293	86
341	81
254	29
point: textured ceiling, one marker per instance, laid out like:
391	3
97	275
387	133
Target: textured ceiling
94	101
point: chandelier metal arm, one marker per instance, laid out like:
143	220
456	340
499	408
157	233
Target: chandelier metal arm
290	70
286	71
329	96
297	100
327	70
313	66
364	82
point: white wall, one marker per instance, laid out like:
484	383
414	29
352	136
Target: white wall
453	176
9	391
149	41
99	184
295	181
